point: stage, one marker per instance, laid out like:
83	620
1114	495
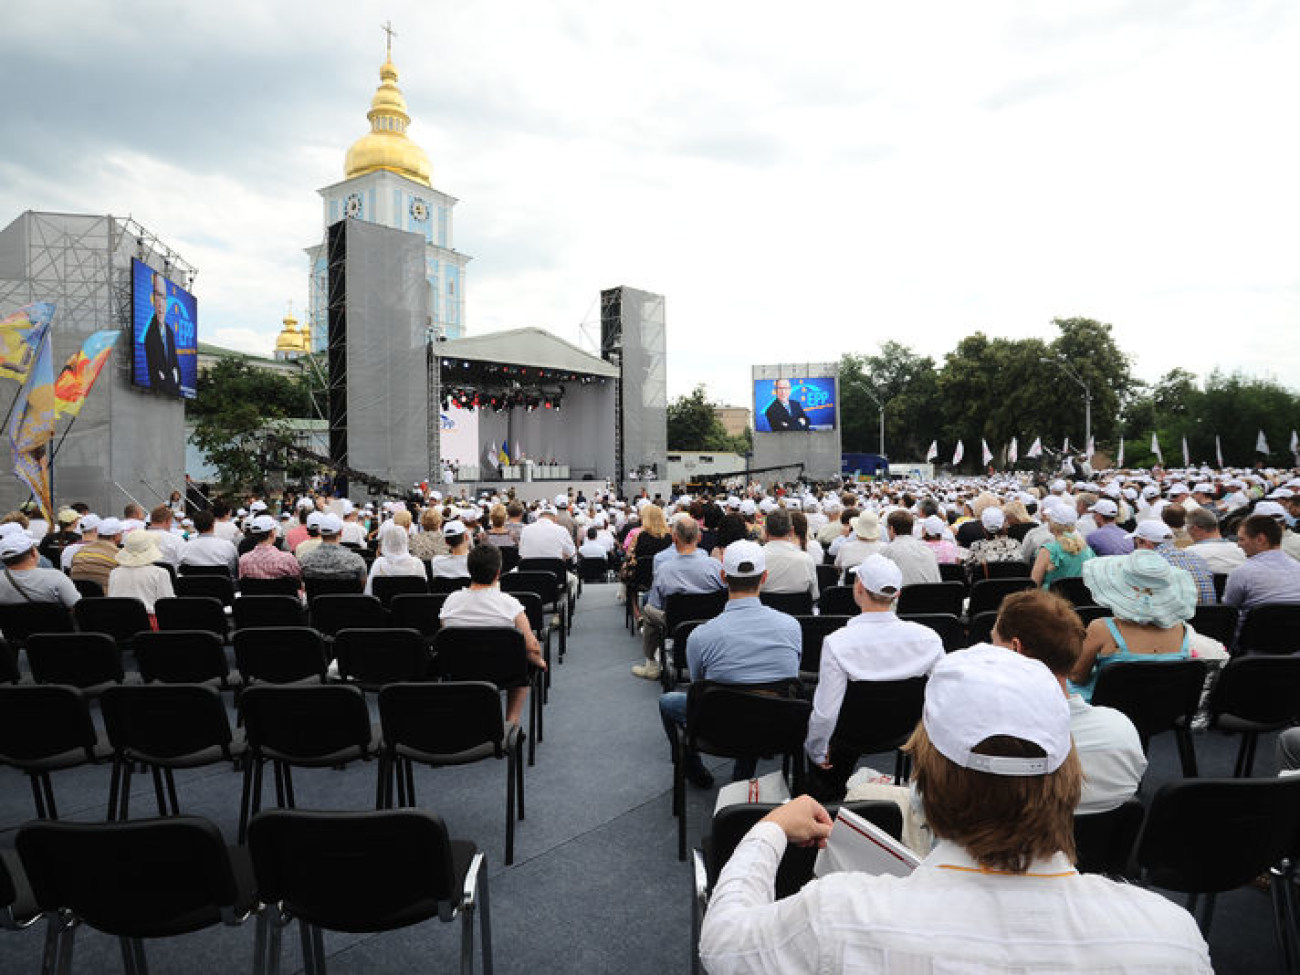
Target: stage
529	491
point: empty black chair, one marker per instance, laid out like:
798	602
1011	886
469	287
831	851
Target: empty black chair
18	908
987	594
949	627
332	612
44	729
184	657
446	584
365	872
1157	695
166	727
1254	828
1074	589
497	655
20	620
280	654
418	611
1253	695
875	716
931	597
9	672
273	610
813	631
1272	629
1103	842
192	613
738	721
560	570
372	657
1217	621
385	588
282	586
453	723
837	601
550	591
593	570
90	662
216	586
89	587
953	572
135	880
794	603
827	576
539	623
304	726
121	617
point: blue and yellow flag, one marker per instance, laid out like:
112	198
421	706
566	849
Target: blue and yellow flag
32	427
503	454
20	337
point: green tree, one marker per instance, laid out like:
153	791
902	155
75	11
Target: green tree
693	424
238	413
906	384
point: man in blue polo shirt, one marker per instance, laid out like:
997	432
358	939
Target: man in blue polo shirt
685	569
748	644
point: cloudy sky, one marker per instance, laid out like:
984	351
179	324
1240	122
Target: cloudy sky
799	182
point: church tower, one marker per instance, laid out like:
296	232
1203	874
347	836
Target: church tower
388	180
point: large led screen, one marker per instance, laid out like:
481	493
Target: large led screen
794	403
164	334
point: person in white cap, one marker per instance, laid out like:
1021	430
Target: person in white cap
875	646
547	538
265	561
95	560
23	580
913	556
1109	538
564	519
686	570
332	561
863	540
1159	538
88	528
999	781
789	568
454	564
1221	554
311	541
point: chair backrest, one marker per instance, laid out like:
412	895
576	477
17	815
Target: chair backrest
952	572
219	586
121	617
743	721
138	879
1005	569
682	606
1103	842
271	610
330	587
147	722
1217	621
1220	580
496	654
20	620
681	637
1089	613
594	570
541	583
987	594
794	603
331	612
187	569
281	586
827	576
181	657
191	613
446	719
448	584
931	597
555	567
88	587
1260	690
980	628
280	654
418	611
837	601
354	871
375	656
38	721
948	626
84	660
1273	628
305	723
535	609
879	715
1155	694
813	632
386	587
1075	590
9	672
1254	823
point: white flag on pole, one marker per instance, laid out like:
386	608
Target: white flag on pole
1187	458
1155	449
1218	450
958	454
1119	460
1065	448
1013	452
933	452
1295	442
1036	448
1261	445
1090	449
987	454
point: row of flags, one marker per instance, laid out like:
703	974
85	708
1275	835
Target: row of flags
26	356
1036	450
500	456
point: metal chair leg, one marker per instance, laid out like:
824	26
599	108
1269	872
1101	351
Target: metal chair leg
485	919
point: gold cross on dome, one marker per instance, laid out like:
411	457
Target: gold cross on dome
388	29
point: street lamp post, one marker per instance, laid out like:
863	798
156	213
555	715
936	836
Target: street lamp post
880	406
1087	397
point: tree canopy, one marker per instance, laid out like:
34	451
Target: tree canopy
693	425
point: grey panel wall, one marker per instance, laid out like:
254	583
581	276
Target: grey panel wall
817	450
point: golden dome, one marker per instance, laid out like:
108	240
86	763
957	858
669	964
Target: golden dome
386	145
291	340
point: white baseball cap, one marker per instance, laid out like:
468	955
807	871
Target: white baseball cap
1152	530
744	559
109	527
262	524
453	529
1106	508
879	576
986	691
330	524
1270	508
15	543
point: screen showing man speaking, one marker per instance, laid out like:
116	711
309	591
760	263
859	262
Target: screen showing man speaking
794	403
164	336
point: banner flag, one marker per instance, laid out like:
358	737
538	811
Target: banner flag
1261	445
1090	449
1218	450
1013	452
21	335
504	455
933	452
1036	448
987	454
1155	449
1119	460
32	428
78	376
958	453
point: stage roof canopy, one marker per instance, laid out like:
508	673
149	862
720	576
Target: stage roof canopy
530	347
